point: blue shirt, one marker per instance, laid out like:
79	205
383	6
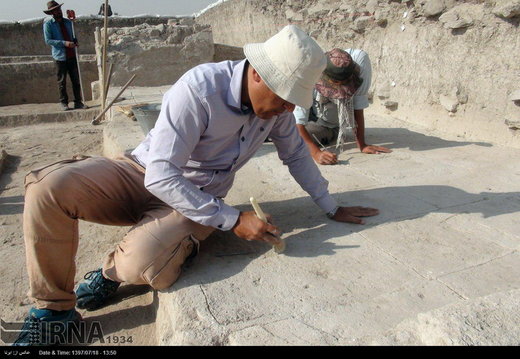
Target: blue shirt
204	135
54	37
327	114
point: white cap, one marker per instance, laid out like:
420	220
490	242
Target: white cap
290	63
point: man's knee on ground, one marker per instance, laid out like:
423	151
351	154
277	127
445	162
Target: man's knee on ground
149	263
166	270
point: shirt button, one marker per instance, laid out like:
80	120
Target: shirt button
219	226
243	138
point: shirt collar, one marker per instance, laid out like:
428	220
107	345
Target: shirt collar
56	22
234	95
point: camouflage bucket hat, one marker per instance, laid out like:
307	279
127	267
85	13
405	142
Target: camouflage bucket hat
341	78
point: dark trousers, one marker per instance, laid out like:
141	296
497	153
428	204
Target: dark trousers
70	66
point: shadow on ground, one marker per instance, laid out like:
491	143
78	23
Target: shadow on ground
394	138
10	166
127	318
223	254
11	205
398	138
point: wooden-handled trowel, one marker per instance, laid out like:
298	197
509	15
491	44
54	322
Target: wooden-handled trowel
278	248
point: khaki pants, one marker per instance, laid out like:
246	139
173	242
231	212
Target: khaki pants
104	191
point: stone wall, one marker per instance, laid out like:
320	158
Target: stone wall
33	80
26	38
158	54
227	52
27	71
448	64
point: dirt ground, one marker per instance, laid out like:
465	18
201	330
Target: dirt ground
130	318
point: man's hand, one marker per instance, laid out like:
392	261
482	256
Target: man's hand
324	157
370	149
252	228
70	44
352	214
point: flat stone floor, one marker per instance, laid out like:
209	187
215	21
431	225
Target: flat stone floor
439	266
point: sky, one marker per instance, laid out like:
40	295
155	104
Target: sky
30	9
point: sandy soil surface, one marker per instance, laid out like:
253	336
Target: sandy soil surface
36	145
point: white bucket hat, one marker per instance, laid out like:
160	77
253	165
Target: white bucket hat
290	63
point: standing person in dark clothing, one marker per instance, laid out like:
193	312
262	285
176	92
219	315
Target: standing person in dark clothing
102	10
58	34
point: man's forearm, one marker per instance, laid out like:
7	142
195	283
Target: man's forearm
360	128
307	139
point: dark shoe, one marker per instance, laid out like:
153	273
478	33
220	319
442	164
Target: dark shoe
93	293
65	106
46	327
79	105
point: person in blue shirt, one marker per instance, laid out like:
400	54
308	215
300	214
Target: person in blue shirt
58	34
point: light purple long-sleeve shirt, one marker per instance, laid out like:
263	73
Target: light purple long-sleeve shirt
204	135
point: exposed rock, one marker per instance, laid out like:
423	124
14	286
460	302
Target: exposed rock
320	9
3	156
381	17
384	92
155	33
187	21
507	10
449	103
410	16
456	19
372	5
459	94
513	125
515	96
159	55
391	105
361	23
433	7
96	92
292	15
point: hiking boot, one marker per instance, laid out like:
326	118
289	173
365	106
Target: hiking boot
93	293
65	106
47	327
79	105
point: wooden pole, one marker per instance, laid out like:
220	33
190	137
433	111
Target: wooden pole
99	117
99	60
107	83
104	60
